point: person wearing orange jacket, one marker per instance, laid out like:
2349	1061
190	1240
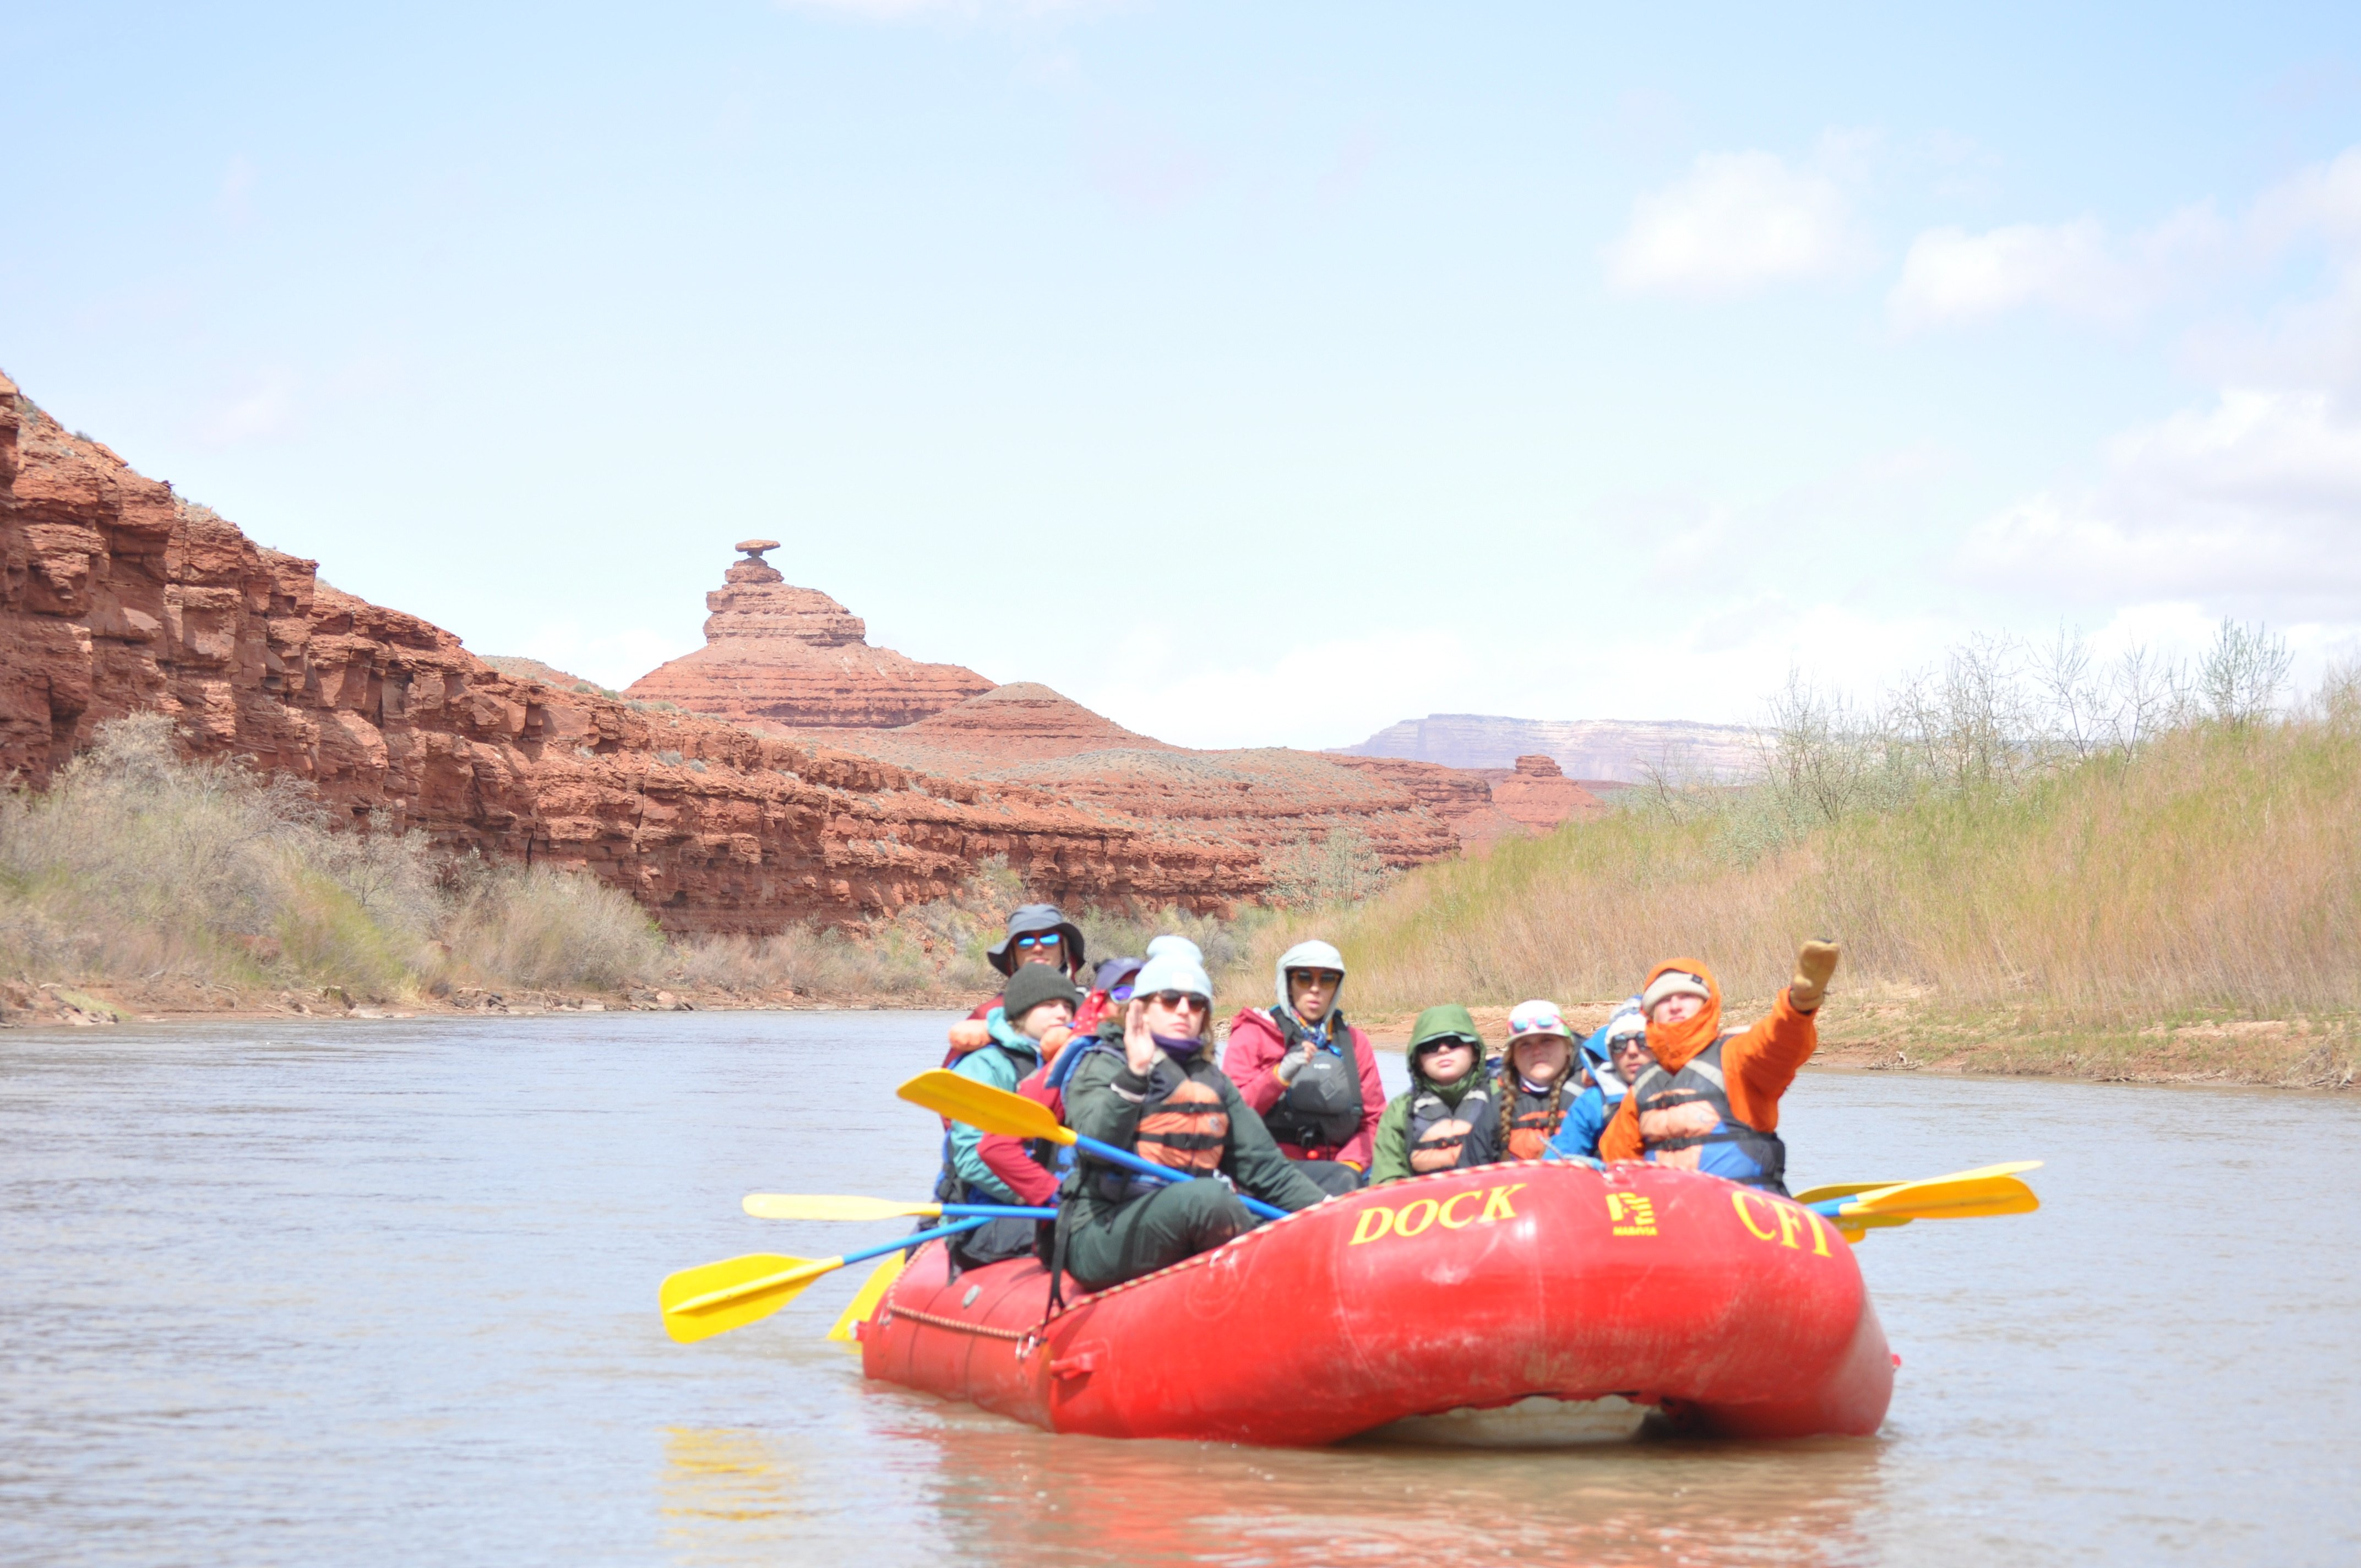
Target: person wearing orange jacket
1710	1101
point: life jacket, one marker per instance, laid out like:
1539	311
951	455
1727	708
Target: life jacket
950	1187
1533	1119
1184	1125
1444	1136
1685	1121
1322	1110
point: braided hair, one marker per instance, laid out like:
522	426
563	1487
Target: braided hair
1512	1084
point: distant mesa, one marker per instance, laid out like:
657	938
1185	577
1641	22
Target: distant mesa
1599	749
775	653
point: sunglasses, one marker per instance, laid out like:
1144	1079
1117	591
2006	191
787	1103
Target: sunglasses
1178	999
1120	993
1445	1043
1314	977
1051	940
1540	1027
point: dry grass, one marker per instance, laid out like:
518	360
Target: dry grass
2210	876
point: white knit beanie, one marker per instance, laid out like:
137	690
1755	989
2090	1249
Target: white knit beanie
1176	968
1674	983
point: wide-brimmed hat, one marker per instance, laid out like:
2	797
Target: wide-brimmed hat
1033	920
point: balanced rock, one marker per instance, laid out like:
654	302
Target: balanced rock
780	654
1538	796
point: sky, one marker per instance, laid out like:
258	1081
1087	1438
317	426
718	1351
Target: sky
1254	374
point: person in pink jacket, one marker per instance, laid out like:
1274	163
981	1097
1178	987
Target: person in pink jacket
1308	1073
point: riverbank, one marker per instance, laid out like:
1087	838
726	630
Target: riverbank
1871	1033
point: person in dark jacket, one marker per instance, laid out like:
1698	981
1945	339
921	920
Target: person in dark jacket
1149	1083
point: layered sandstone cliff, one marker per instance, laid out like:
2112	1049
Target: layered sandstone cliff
1263	802
117	595
777	653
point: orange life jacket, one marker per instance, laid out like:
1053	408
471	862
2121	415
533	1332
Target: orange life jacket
1183	1124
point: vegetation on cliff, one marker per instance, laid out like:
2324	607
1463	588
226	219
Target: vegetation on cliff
2034	865
146	881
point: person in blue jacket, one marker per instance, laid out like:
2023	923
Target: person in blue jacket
1613	1057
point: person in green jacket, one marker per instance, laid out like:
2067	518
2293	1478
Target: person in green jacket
1040	998
1149	1083
1446	1119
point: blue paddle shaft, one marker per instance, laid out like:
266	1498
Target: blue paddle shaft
1000	1211
915	1239
1150	1169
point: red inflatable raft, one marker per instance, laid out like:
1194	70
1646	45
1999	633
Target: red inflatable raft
1509	1303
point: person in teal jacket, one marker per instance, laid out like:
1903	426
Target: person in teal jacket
1040	998
1614	1057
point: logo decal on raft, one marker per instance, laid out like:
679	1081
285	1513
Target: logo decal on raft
1628	1214
1790	1219
1453	1213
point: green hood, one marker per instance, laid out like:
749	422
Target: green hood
1449	1021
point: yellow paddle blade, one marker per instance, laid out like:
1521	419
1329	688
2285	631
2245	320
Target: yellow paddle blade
715	1297
1970	1195
1822	1194
983	1107
864	1300
790	1206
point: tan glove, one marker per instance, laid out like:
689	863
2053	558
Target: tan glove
1815	962
970	1035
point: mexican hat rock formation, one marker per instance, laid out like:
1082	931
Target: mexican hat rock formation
780	654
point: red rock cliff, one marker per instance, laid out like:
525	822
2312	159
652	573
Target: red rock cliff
794	657
117	595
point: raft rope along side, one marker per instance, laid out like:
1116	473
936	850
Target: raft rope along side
1029	1340
936	1321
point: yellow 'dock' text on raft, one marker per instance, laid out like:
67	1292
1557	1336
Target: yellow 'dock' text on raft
1413	1218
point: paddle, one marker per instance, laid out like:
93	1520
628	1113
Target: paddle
991	1110
1968	1195
715	1297
790	1206
864	1300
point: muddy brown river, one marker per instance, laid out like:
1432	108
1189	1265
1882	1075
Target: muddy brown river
384	1292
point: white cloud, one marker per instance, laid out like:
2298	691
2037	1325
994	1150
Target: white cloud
1736	223
2253	505
2082	270
2075	269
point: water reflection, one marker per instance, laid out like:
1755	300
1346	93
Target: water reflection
1019	1498
731	1475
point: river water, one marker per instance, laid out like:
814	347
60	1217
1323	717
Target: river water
314	1292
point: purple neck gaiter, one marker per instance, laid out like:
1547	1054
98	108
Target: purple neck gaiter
1184	1046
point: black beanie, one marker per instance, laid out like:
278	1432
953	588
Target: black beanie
1032	985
